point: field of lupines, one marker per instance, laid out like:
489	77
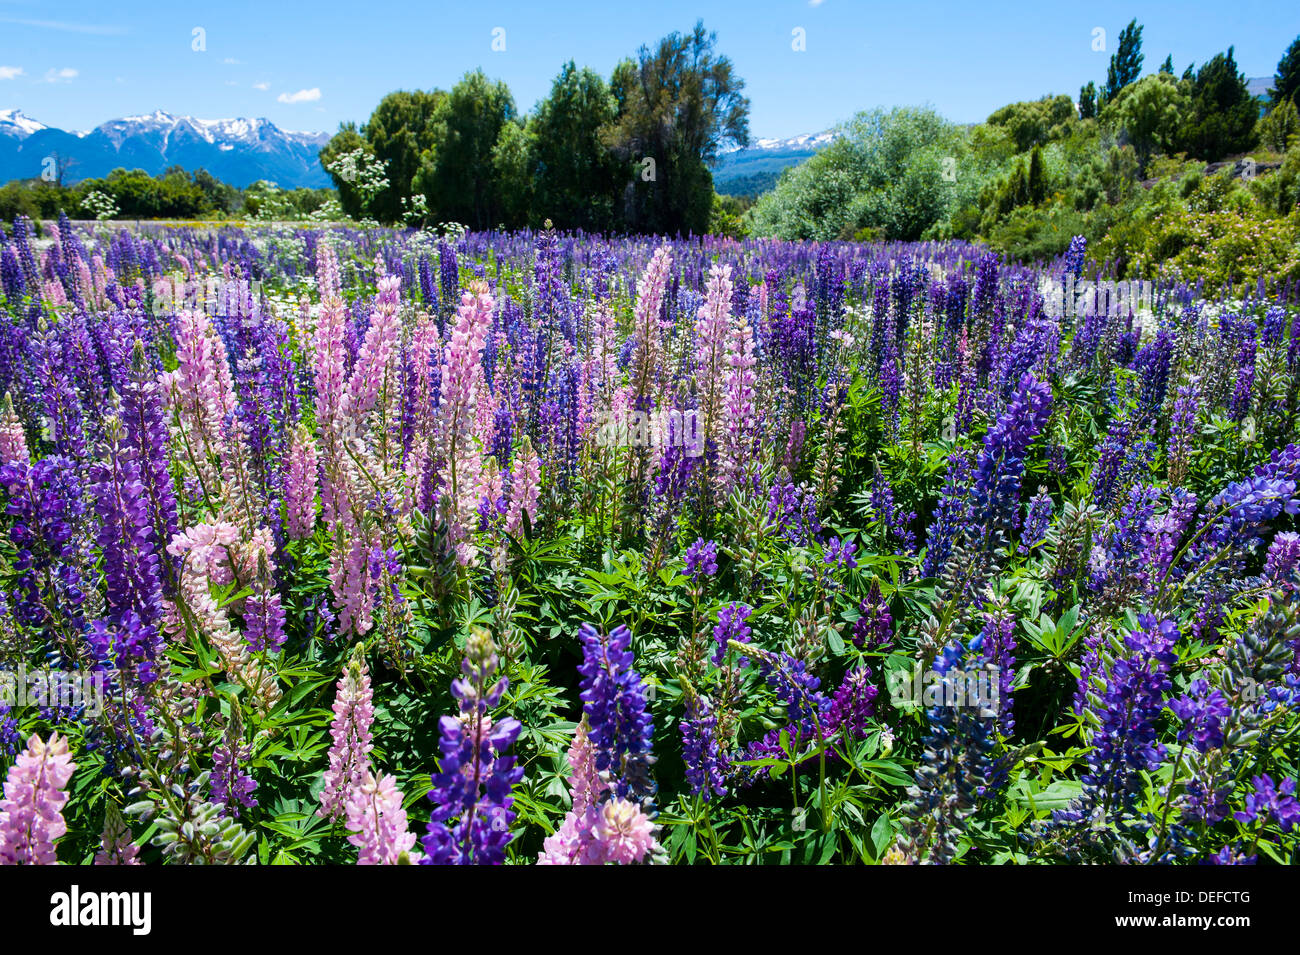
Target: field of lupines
378	547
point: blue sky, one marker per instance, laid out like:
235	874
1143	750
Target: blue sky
312	65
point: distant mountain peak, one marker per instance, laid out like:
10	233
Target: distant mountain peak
14	122
237	150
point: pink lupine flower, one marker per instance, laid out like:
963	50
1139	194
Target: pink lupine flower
116	844
461	358
738	404
330	350
599	828
375	814
200	394
649	302
300	488
31	812
375	372
13	440
350	731
327	271
712	328
208	549
525	488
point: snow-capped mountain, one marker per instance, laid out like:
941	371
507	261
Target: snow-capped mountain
756	167
238	151
14	123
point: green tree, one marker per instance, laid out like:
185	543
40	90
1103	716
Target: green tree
1150	114
577	177
1287	79
457	176
512	166
1126	63
401	134
1282	122
677	106
1223	111
1036	123
1088	101
1037	184
1168	65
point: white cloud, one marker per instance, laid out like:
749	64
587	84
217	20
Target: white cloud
261	86
61	76
91	28
814	3
232	61
231	83
302	96
9	72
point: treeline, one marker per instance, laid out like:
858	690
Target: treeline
173	194
630	153
1132	166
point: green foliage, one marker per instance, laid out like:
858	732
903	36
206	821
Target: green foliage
1286	81
1039	122
1126	63
1150	113
1223	111
457	176
577	180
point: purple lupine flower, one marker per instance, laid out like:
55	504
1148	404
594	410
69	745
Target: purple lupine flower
1202	709
852	704
471	794
874	629
706	764
998	643
840	553
731	626
1127	704
995	493
1038	518
231	786
701	559
797	689
1283	558
614	701
1267	802
1074	256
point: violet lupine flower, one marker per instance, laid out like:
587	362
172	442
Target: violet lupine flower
264	619
1283	558
350	731
1268	802
794	509
300	488
470	822
852	704
874	629
1127	703
706	764
1074	256
31	811
374	813
614	701
1038	518
995	495
231	786
794	686
1231	855
998	643
145	442
701	559
1202	709
712	325
731	626
840	553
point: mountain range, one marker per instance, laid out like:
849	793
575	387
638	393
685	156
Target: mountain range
756	168
237	151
